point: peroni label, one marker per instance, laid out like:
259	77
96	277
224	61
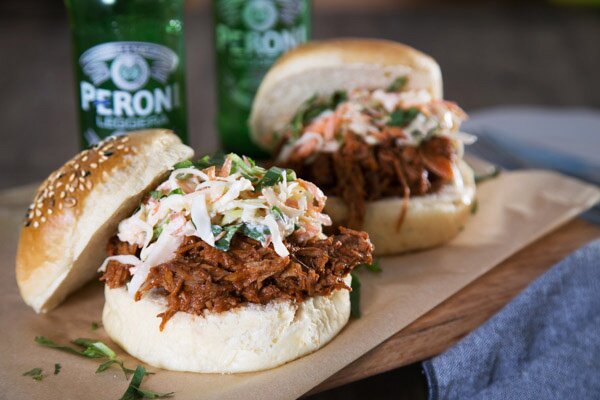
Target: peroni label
128	86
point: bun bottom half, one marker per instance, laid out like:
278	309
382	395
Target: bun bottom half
429	220
245	339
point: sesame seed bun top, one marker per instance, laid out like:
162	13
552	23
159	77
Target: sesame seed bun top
77	208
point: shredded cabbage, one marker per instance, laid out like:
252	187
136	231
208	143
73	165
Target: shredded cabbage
216	202
367	113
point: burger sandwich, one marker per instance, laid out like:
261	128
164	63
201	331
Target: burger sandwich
365	121
215	265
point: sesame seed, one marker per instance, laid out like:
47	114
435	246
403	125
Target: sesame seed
84	158
94	165
120	147
36	224
89	185
81	187
59	184
50	211
70	202
71	177
62	195
60	206
72	189
43	219
38	213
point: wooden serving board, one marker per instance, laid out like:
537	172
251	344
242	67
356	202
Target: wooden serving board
446	324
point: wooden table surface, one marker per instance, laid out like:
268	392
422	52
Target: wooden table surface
466	310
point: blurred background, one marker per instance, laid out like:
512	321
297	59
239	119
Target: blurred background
491	54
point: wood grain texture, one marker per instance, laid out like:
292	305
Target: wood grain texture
466	310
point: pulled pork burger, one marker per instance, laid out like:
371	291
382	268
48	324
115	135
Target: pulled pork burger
365	121
216	265
224	268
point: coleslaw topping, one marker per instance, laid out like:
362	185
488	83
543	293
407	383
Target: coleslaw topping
410	116
213	199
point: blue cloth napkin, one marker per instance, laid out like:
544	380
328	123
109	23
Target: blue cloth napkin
545	344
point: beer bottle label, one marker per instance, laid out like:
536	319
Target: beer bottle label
250	35
128	86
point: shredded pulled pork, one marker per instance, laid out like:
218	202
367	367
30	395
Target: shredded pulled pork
115	275
359	172
201	277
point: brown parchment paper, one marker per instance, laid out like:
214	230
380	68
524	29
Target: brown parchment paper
514	209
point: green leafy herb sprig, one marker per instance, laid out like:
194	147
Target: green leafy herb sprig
402	118
134	391
273	176
313	107
90	348
355	296
474	207
489	175
207	161
355	286
157	194
398	84
256	232
373	267
225	241
246	166
35	373
259	176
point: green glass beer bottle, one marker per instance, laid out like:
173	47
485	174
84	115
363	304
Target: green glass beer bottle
249	36
129	66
